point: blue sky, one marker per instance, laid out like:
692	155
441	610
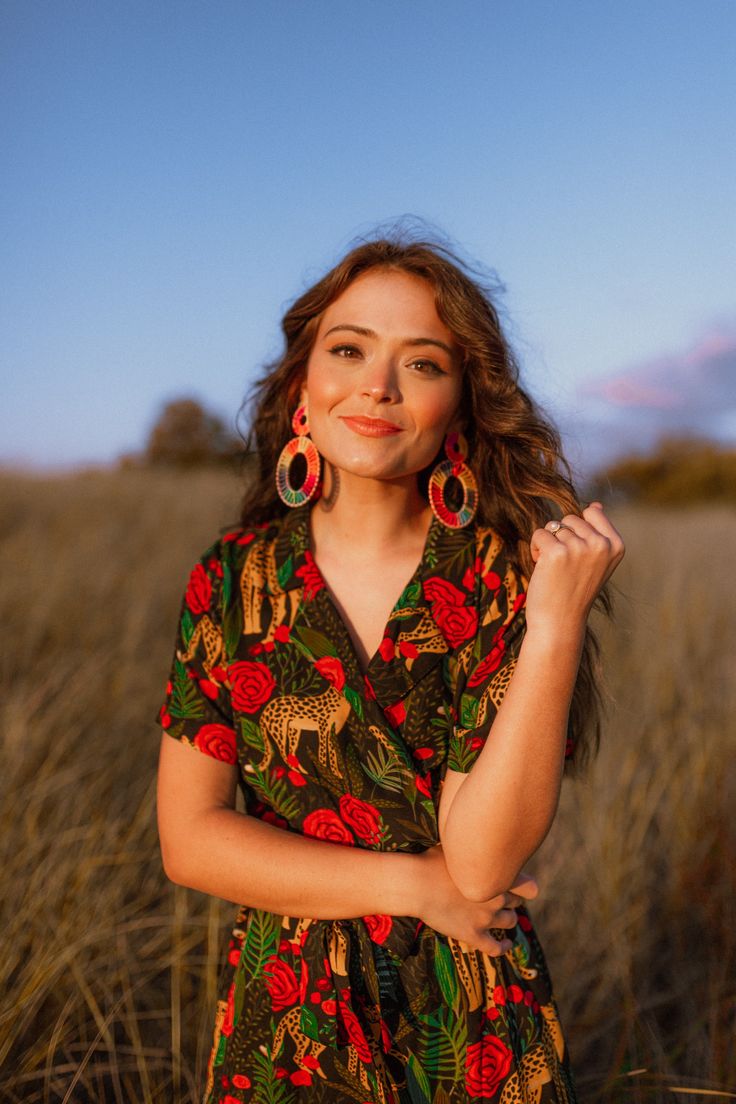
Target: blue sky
176	172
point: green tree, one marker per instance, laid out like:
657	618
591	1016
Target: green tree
186	435
679	470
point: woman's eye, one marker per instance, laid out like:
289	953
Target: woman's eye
347	351
428	367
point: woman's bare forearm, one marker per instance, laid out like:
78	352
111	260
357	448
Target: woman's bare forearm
505	806
245	860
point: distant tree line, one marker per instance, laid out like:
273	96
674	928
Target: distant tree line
680	470
187	435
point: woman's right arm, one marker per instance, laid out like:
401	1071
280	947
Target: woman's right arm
206	844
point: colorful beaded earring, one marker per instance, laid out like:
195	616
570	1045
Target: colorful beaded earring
456	450
302	444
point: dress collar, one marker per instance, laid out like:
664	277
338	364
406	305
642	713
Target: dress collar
428	619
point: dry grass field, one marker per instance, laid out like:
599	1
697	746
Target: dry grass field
107	972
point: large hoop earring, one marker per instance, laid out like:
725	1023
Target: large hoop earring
456	450
299	444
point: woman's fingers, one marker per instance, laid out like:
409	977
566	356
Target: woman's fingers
525	886
595	517
541	540
504	918
495	947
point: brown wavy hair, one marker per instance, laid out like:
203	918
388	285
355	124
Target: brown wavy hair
515	450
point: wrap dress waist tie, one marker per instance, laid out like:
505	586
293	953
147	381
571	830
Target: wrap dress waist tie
348	982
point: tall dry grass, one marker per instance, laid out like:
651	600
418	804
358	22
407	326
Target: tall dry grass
107	972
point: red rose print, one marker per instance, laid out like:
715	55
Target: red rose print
519	601
355	1032
208	688
488	665
227	1023
309	574
423	753
456	623
303	981
331	668
213	565
487	1063
281	633
386	649
252	685
378	927
325	824
409	650
218	741
233	956
442	591
300	1077
230	1099
281	984
240	1081
199	590
469	578
296	778
396	713
515	993
310	1061
492	580
499	995
271	817
164	716
363	818
423	786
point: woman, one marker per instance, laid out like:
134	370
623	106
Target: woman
342	657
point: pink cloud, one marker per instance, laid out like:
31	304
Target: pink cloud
700	379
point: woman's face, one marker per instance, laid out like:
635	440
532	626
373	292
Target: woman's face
384	377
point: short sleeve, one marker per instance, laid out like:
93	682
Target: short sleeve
197	708
482	669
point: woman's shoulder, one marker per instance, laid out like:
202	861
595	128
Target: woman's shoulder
231	549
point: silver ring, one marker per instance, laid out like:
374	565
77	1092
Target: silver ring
555	526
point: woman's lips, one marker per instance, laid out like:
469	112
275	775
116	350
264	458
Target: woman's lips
371	427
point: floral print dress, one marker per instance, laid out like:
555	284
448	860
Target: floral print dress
379	1009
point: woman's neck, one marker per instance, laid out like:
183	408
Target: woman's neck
366	518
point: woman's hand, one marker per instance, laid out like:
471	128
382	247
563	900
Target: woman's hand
444	908
571	565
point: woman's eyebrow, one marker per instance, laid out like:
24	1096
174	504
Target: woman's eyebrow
407	341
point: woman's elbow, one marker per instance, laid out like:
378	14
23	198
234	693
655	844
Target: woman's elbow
482	878
173	862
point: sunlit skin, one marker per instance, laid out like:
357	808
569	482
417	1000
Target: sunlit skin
404	375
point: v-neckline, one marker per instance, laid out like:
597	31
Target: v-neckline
416	575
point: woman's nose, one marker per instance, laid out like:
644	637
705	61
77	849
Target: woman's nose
379	382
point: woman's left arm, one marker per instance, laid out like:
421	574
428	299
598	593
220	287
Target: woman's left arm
494	818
